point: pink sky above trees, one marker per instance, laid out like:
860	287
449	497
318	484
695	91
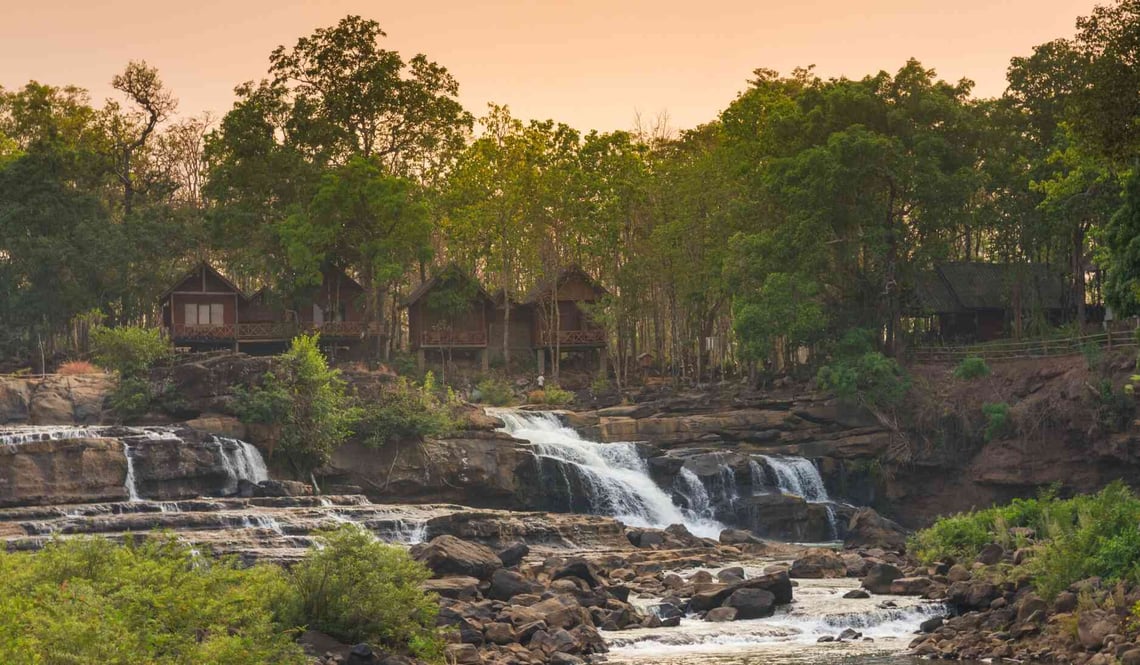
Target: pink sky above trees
589	63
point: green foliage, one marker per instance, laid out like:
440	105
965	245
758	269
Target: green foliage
128	350
1115	410
92	602
551	395
999	425
266	404
307	399
360	590
406	412
132	398
496	391
871	378
1091	535
786	307
1093	354
1121	253
971	368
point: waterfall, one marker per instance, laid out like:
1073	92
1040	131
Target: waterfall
132	489
689	485
241	461
797	475
614	477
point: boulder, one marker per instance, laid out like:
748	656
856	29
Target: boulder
857	594
818	564
990	554
739	537
457	588
778	584
581	569
361	654
448	555
498	632
1030	605
561	611
513	554
879	578
910	586
721	614
506	584
462	654
868	528
1093	627
730	575
751	603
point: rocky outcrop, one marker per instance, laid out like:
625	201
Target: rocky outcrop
78	470
85	465
474	468
54	399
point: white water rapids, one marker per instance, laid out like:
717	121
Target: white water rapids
615	476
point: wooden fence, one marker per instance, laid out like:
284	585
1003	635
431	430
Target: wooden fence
1034	348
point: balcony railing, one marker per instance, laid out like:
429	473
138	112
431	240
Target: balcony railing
588	337
454	338
270	330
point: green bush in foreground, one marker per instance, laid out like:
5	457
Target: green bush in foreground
1086	536
971	368
91	602
551	395
999	424
88	601
360	590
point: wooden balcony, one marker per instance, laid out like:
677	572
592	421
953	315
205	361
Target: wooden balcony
270	331
470	339
572	338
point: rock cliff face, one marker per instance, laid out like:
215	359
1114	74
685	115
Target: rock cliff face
54	400
86	465
475	468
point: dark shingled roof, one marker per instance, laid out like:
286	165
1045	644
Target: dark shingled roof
959	287
449	270
545	286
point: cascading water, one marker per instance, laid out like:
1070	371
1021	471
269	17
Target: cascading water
132	489
241	461
615	478
798	475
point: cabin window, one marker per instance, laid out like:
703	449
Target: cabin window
209	314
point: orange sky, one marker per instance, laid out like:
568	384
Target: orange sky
590	63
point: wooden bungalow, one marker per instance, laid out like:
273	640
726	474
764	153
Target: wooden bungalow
560	320
978	302
202	308
449	313
206	310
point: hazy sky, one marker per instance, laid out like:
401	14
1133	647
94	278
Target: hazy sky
590	63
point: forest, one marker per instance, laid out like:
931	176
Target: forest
807	208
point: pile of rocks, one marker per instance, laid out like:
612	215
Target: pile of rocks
998	615
501	609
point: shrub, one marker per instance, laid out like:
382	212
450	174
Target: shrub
406	412
360	590
1115	410
1086	536
128	350
77	368
971	368
551	395
871	378
88	601
131	398
307	400
496	392
998	423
